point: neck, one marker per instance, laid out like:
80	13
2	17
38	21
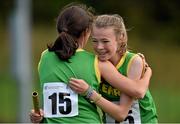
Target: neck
115	59
81	43
80	47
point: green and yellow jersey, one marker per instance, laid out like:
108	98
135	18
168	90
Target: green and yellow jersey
142	111
60	103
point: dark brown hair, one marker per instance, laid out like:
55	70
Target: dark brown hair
71	22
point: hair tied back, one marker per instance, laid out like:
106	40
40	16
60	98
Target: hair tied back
64	30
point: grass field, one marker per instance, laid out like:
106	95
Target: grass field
164	60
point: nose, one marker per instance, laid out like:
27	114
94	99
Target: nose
100	46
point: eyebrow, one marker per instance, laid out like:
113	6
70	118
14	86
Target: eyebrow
100	39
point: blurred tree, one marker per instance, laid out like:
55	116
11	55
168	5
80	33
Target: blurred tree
5	7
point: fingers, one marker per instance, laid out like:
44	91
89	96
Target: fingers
35	117
73	86
34	114
145	64
75	80
78	85
37	114
141	55
148	71
41	112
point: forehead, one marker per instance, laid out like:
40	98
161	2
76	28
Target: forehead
103	33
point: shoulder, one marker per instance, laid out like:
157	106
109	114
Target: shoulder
85	54
89	53
137	60
46	54
135	66
133	60
105	66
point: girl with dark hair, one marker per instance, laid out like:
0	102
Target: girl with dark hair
66	59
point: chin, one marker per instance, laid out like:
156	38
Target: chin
102	59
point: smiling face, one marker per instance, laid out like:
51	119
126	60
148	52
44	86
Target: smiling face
109	37
104	43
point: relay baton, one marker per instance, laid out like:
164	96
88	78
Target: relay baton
36	102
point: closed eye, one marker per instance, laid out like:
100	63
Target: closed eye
94	41
105	41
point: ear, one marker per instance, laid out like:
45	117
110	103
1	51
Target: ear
84	32
87	30
122	37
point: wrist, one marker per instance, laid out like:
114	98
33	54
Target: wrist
95	97
88	92
92	95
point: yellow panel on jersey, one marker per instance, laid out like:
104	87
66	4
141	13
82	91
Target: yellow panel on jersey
98	74
121	61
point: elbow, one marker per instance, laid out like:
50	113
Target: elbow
121	117
140	94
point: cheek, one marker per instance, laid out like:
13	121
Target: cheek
113	50
94	47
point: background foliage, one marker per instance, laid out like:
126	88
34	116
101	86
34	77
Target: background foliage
153	30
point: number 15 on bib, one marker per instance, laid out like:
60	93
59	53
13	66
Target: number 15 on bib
59	100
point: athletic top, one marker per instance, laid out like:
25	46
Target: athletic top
142	111
60	103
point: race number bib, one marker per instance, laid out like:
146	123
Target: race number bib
132	118
59	100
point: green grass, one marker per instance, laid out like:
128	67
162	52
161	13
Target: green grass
167	103
164	61
9	99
